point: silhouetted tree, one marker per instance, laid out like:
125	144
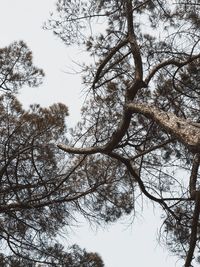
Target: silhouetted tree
16	68
140	131
38	194
75	257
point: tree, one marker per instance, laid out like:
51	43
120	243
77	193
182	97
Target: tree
38	193
17	69
74	258
140	132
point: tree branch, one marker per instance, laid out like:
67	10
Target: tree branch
152	149
135	50
106	60
193	176
165	63
182	129
134	174
114	140
193	236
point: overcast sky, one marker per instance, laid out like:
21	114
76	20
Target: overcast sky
122	244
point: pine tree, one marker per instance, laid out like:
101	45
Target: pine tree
140	131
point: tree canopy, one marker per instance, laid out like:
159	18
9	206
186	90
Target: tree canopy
38	193
139	134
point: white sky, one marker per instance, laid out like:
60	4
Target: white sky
118	245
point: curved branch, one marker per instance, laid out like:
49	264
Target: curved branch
106	60
129	166
133	172
114	140
165	63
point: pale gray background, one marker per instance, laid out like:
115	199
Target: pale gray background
122	244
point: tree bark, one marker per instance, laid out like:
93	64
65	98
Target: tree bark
185	131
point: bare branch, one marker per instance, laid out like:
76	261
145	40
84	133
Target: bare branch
193	176
165	63
107	59
133	42
193	237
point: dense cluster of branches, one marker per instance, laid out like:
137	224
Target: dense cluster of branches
139	135
38	192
